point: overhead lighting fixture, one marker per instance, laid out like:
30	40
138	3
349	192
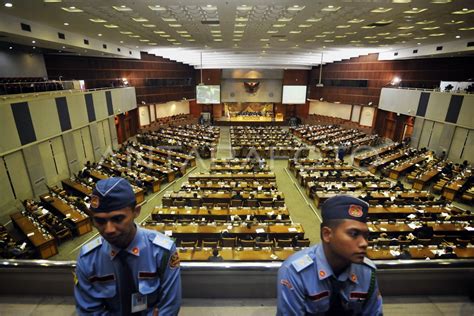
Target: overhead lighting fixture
425	22
421	38
122	8
320	36
453	22
209	7
401	1
272	31
264	39
284	19
457	36
149	25
144	40
191	40
185	35
430	28
97	20
368	27
66	24
356	41
111	26
241	19
463	11
467	28
218	40
441	1
171	40
296	8
236	39
159	32
175	25
381	10
152	44
436	34
329	41
139	19
99	34
72	9
156	8
182	32
343	26
168	19
165	35
340	36
370	37
384	34
356	21
134	36
350	33
283	40
126	32
405	34
330	8
240	25
414	11
295	32
310	40
238	31
244	7
278	25
328	32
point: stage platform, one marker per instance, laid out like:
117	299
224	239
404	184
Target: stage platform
250	121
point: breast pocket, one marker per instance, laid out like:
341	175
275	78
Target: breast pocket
317	304
148	282
103	286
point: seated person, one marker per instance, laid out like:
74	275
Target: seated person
448	254
404	253
215	256
423	232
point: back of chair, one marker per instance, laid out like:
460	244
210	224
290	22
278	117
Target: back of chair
235	203
266	203
223	205
251	203
228	242
209	244
280	203
247	243
284	242
425	242
302	242
188	244
264	244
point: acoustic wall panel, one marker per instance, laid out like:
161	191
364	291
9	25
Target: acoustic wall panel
44	115
435	136
60	158
19	176
8	199
63	113
457	144
47	160
107	136
100	105
445	138
108	100
10	138
468	151
23	122
437	106
87	144
423	104
69	142
90	107
417	129
171	108
35	169
77	110
79	149
454	108
355	113
152	113
426	134
466	114
97	144
113	133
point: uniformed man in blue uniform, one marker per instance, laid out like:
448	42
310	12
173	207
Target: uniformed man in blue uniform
128	270
333	277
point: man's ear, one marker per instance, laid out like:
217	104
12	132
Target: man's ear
136	211
326	234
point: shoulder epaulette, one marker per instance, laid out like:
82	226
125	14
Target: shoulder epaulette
370	263
163	241
87	248
301	263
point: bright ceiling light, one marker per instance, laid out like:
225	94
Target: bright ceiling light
72	9
111	26
97	20
156	8
381	10
122	8
330	8
139	19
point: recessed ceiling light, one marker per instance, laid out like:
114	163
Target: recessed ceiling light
354	41
185	35
238	35
121	42
165	35
330	8
414	11
328	32
436	34
156	8
215	31
152	44
149	25
283	40
34	42
191	40
10	47
441	1
343	26
320	36
430	28
244	7
305	25
134	36
463	11
418	43
144	40
421	38
241	19
350	33
137	46
370	37
99	34
279	25
8	4
175	25
340	36
401	1
296	8
238	31
313	19
66	24
159	32
72	9
111	26
236	39
356	21
368	27
139	19
97	20
122	8
64	47
168	19
381	10
284	19
272	31
295	32
384	34
264	39
218	40
240	25
310	40
329	41
457	36
452	22
466	29
425	22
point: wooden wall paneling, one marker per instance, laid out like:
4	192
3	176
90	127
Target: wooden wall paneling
295	77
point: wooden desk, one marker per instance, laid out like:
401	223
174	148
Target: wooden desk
46	246
82	223
191	231
167	172
188	159
403	227
419	183
150	181
385	254
170	213
222	197
232	176
397	171
384	161
452	189
359	160
237	254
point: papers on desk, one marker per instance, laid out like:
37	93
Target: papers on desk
292	230
413	225
229	227
411	216
168	233
383	229
469	228
260	230
274	257
68	215
371	229
394	253
44	212
420	211
30	234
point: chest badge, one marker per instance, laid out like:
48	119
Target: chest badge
135	251
322	273
354	277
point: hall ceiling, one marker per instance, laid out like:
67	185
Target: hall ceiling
263	33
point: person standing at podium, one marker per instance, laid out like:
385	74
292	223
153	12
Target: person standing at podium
128	270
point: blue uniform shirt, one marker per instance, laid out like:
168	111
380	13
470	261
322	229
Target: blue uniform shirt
154	263
304	286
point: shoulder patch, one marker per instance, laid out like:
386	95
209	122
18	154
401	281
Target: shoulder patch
163	241
370	263
91	246
301	263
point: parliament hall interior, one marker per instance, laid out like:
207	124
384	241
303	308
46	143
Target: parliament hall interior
234	121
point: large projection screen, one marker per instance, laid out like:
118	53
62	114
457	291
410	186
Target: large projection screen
294	95
208	94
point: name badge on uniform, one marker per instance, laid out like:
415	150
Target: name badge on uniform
139	302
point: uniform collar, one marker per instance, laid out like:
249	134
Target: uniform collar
134	248
325	270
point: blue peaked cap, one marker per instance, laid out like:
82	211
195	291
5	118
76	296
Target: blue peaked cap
345	207
112	194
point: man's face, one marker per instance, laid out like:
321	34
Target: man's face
117	227
348	240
